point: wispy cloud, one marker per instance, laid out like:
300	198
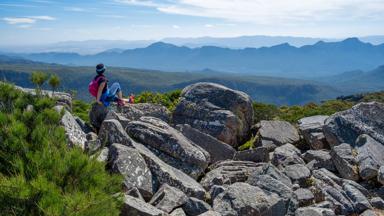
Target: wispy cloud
146	3
16	5
175	26
75	9
19	20
111	16
49	18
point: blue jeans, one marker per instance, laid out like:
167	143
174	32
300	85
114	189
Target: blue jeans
111	94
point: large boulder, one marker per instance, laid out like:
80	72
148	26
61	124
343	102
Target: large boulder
168	198
259	154
217	149
347	126
134	112
314	211
228	172
111	131
369	156
74	133
221	112
380	175
312	130
194	207
134	206
297	173
169	144
286	155
97	115
279	132
128	162
246	200
345	162
320	159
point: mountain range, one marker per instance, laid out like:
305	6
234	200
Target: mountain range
284	60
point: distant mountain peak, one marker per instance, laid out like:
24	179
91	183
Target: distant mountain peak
353	40
161	45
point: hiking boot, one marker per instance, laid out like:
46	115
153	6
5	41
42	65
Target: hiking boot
120	102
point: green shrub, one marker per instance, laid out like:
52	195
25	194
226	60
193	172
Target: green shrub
39	174
169	99
81	109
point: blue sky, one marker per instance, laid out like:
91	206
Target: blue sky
48	21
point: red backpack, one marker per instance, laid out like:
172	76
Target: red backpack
93	86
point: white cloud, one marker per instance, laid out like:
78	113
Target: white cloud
175	26
19	20
112	16
48	18
75	9
289	12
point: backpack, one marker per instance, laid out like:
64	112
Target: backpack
93	86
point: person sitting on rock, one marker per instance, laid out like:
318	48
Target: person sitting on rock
105	95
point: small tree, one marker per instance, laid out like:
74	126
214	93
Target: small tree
54	82
39	78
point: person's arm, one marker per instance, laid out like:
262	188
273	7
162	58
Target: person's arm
100	92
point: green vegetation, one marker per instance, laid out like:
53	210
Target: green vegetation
81	109
39	78
39	174
54	82
169	99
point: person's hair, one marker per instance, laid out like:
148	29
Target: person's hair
100	68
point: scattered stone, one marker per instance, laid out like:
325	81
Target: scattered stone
312	130
345	162
259	154
134	192
320	158
297	173
369	212
216	110
217	149
286	155
116	116
369	156
112	131
75	135
194	207
304	196
216	190
178	212
103	156
363	118
128	162
359	201
168	198
210	213
93	143
380	175
134	206
270	184
377	202
169	145
246	200
134	112
280	132
313	211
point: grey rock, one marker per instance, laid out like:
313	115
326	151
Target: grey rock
217	149
340	200
270	184
194	207
369	156
75	135
216	110
297	173
321	158
103	155
112	131
134	112
268	144
164	173
246	200
280	132
134	192
63	99
314	211
363	118
304	196
380	175
228	172
210	213
345	162
312	130
286	155
216	190
84	126
259	154
369	212
377	202
134	206
93	143
97	115
168	198
359	201
178	212
116	116
170	145
128	162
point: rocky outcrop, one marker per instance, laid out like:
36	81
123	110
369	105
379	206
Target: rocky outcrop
345	162
369	156
169	144
287	155
259	154
135	206
168	198
246	200
347	126
134	112
128	162
216	110
217	149
320	159
97	115
74	133
278	132
312	130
